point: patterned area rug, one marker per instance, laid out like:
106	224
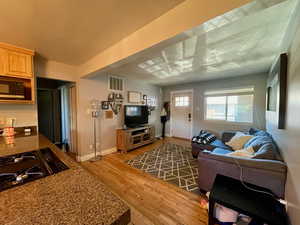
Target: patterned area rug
172	163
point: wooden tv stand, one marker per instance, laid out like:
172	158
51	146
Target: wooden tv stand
131	138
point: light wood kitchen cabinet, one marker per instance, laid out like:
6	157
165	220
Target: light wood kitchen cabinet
16	64
19	64
3	59
15	61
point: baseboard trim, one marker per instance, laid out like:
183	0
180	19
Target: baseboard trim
109	151
86	157
180	138
91	155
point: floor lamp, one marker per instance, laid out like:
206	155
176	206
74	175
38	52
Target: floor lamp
95	110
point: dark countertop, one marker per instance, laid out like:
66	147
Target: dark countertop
73	196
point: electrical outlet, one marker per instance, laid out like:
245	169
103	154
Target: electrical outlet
91	146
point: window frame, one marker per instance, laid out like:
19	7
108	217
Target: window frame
226	108
182	106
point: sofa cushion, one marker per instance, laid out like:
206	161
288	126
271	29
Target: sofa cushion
256	132
246	152
262	133
264	147
252	131
201	147
266	151
257	141
221	151
219	144
227	135
238	141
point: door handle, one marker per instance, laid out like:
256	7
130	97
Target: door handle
190	117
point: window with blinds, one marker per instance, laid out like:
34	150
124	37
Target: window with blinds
233	106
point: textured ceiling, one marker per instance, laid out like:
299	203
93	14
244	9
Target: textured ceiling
240	42
72	31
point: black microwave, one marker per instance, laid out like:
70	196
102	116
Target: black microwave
11	89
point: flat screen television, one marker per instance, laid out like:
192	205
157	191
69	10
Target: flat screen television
136	115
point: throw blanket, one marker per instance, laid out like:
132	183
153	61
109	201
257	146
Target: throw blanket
204	138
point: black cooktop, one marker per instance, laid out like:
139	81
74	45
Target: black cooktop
22	168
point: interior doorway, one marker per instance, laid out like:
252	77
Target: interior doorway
56	101
181	122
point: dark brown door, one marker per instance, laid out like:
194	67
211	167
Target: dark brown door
49	114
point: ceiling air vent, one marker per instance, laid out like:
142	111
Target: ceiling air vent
116	83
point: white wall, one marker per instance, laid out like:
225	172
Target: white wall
54	70
259	83
26	114
97	88
87	89
288	139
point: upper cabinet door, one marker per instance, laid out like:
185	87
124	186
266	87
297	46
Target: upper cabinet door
3	61
19	64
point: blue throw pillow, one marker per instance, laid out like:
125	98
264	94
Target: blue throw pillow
262	133
257	141
219	144
257	132
266	151
221	151
264	147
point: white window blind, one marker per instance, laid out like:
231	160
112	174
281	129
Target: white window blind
232	106
233	91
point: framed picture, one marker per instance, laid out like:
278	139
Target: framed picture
134	97
276	93
104	105
272	92
109	114
151	101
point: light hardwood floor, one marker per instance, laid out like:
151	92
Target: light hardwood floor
152	201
